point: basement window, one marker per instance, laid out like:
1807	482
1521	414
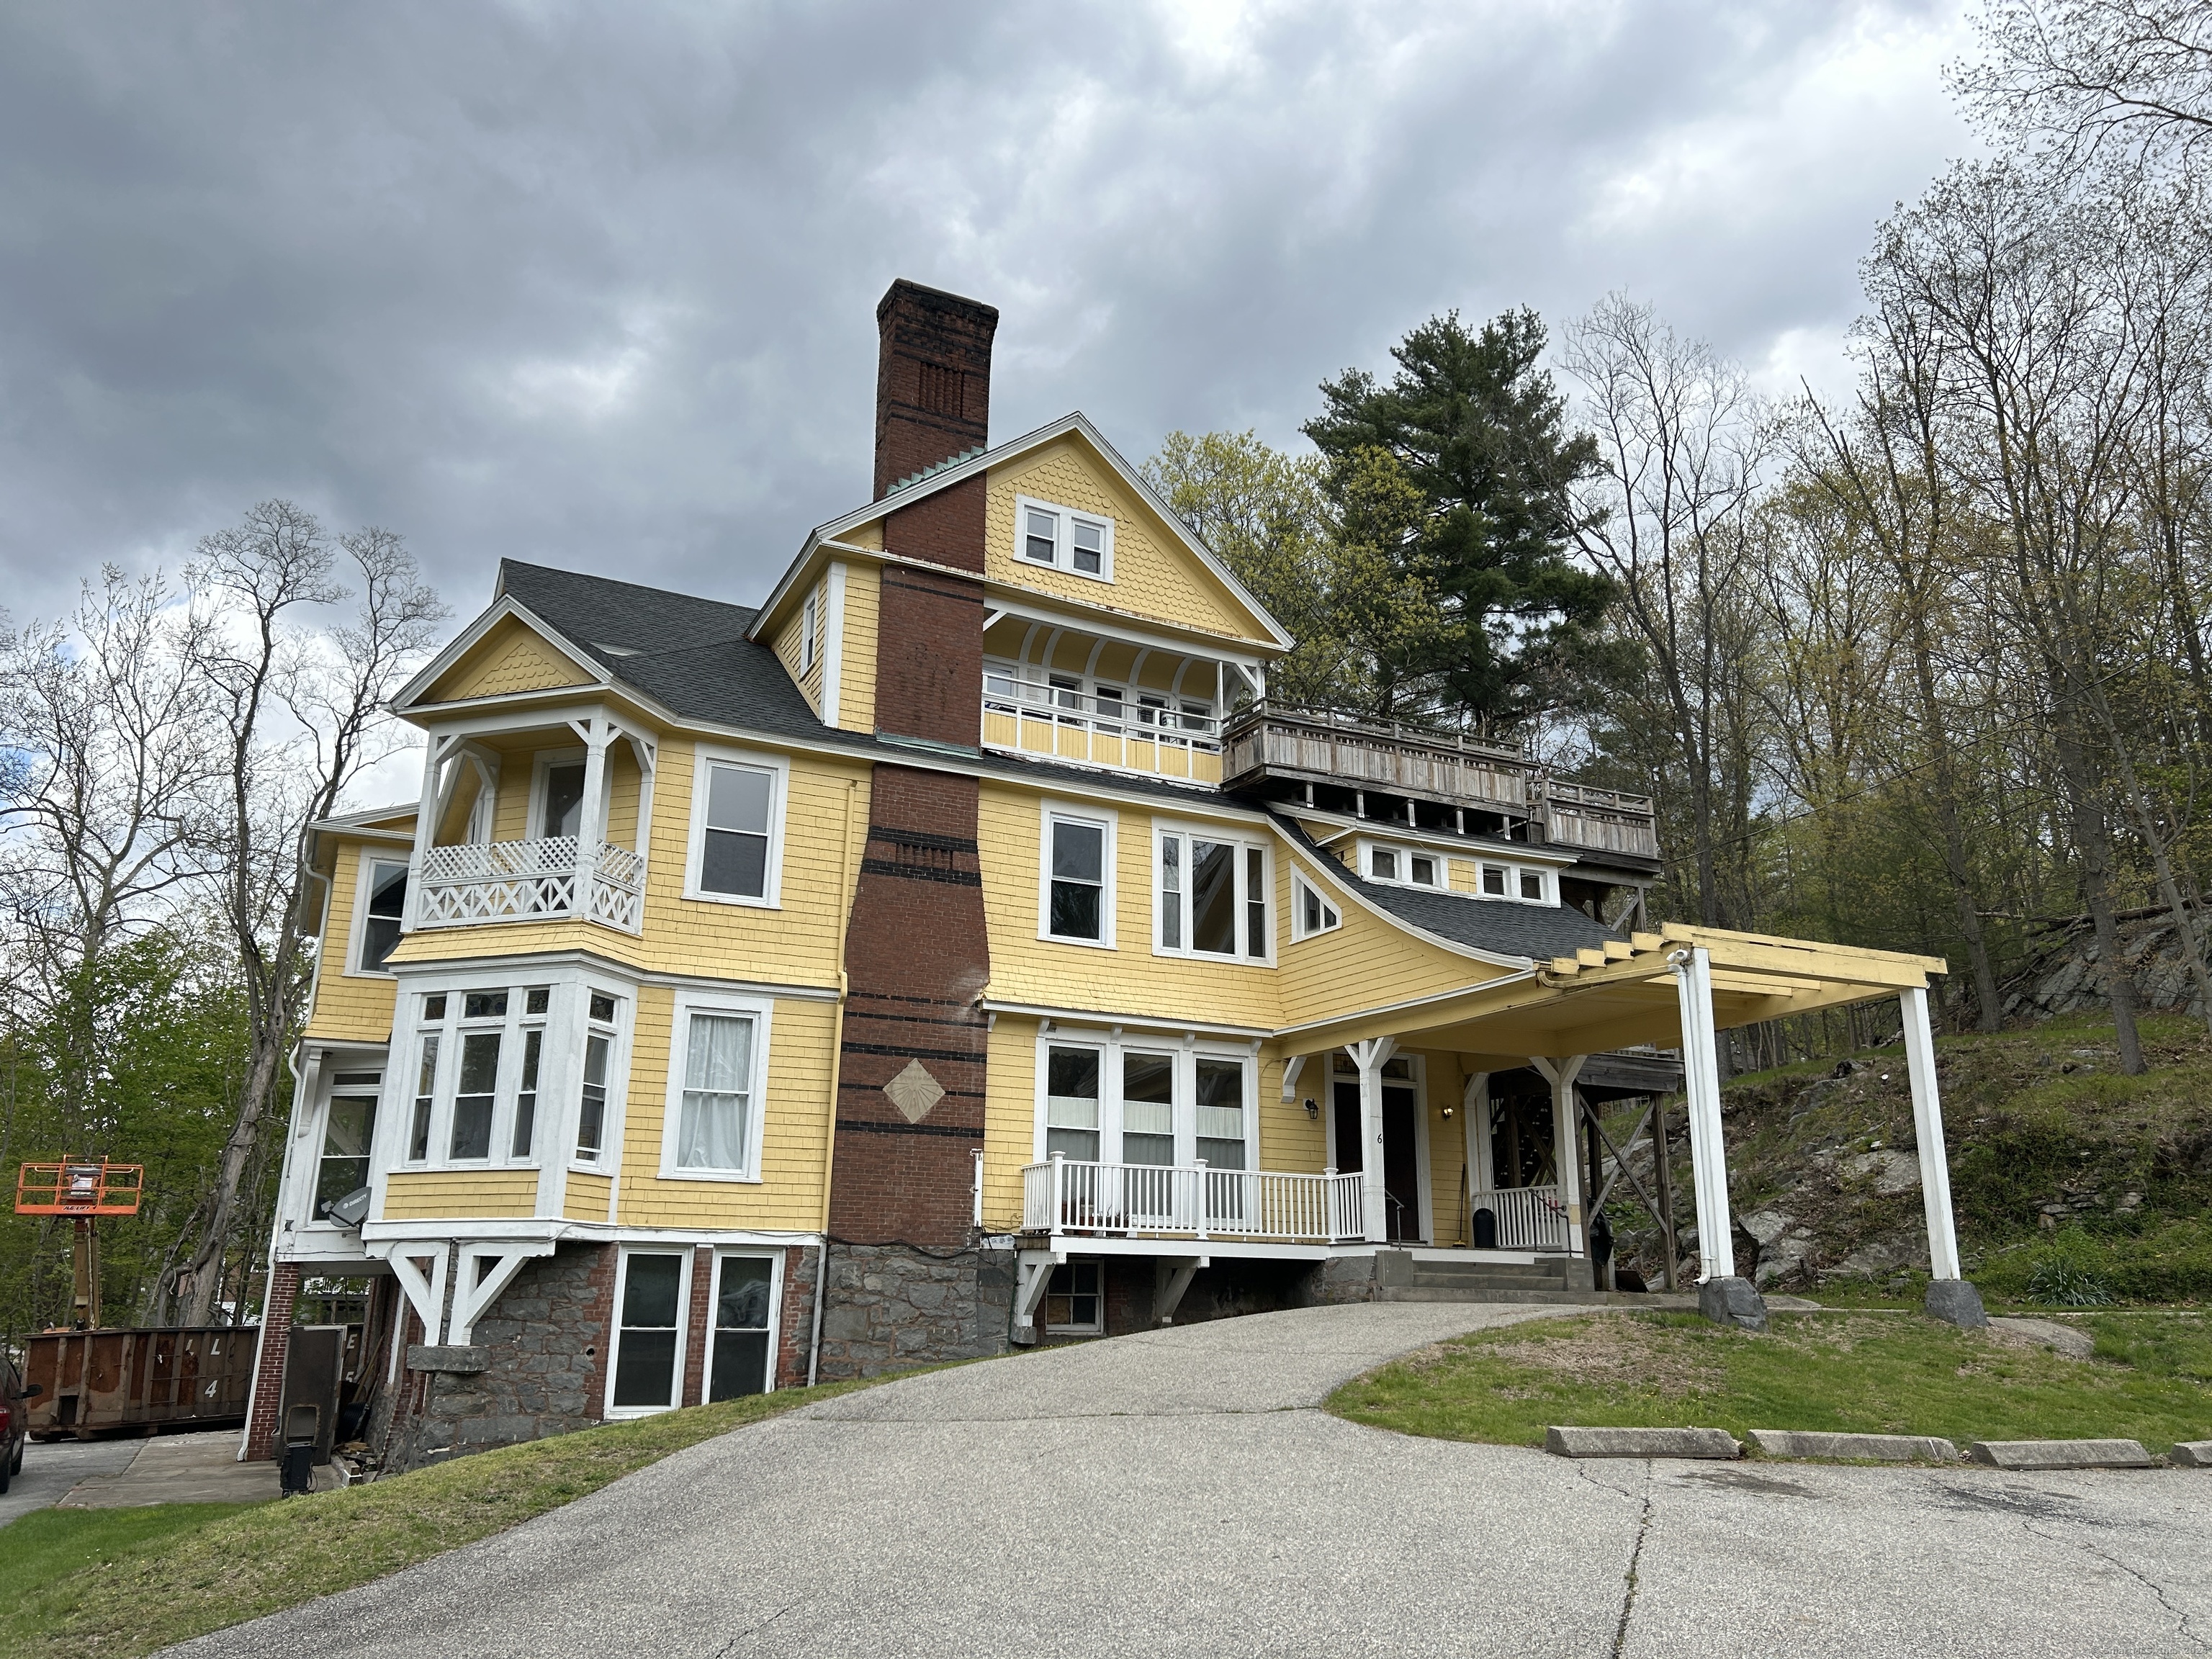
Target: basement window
649	1340
1075	1299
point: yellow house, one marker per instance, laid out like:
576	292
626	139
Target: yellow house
957	948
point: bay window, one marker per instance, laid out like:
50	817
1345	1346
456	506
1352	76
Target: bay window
483	1058
1211	896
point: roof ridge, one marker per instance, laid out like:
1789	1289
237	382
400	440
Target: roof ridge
748	611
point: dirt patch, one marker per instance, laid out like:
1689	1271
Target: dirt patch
1613	1351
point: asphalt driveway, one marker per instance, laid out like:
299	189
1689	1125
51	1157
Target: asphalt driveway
1177	1493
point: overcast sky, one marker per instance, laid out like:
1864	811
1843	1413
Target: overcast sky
594	284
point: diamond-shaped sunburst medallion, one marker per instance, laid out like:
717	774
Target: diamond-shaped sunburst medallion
914	1091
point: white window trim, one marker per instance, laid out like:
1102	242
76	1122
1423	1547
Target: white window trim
1242	841
1514	872
775	1264
313	1137
1063	552
1185	1052
758	1010
609	1410
1109	822
1301	884
609	1162
540	763
704	757
810	618
364	882
1406	854
505	1087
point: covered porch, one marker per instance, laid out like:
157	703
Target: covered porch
1677	988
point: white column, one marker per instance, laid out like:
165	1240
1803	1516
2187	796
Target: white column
1701	1079
1481	1176
426	832
1369	1058
1928	1131
1566	1141
592	817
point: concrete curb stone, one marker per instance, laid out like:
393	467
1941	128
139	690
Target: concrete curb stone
1641	1443
1870	1447
2192	1453
2060	1454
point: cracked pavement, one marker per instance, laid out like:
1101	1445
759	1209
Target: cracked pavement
1179	1490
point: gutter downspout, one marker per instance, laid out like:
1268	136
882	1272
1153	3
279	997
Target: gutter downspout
836	1082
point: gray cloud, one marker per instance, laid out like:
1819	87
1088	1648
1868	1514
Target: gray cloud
594	283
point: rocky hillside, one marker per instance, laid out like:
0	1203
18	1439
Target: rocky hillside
2072	1183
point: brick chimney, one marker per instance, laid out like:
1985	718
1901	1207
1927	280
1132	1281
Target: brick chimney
917	953
933	379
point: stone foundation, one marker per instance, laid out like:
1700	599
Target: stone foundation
889	1305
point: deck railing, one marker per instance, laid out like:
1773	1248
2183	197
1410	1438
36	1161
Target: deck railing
1528	1217
1050	722
1067	1196
1265	740
497	881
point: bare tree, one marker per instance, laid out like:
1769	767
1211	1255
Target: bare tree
300	716
1683	440
2088	78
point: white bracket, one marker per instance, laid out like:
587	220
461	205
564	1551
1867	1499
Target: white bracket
486	1271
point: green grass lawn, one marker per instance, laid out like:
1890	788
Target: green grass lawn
119	1583
1861	1372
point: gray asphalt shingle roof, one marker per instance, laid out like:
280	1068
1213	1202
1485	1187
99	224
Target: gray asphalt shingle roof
691	655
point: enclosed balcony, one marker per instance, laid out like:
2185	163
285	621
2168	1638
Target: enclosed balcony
575	804
1056	693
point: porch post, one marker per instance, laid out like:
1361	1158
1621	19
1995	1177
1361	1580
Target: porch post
1949	1296
1481	1175
1369	1058
426	832
592	815
1722	1295
1701	1083
1566	1141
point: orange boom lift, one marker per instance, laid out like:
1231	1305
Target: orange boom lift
83	1189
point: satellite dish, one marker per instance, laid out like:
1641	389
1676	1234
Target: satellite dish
349	1211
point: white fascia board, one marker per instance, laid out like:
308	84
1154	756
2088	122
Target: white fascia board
1097	1016
501	608
1077	423
1410	1005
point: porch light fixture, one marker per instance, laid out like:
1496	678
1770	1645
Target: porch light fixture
1313	1108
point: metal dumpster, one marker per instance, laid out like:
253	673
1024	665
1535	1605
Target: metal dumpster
101	1382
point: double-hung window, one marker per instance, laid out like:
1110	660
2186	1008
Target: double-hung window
1529	884
737	831
716	1075
598	1054
649	1332
1210	895
744	1325
1063	538
1076	895
383	904
1408	867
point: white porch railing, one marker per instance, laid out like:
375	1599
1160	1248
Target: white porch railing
1190	1200
1528	1217
1127	735
524	880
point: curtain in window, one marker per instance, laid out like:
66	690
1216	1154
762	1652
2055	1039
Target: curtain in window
711	1133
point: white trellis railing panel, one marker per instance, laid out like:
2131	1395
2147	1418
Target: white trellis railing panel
497	881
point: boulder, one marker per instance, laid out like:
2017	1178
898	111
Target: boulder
1732	1301
1956	1302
